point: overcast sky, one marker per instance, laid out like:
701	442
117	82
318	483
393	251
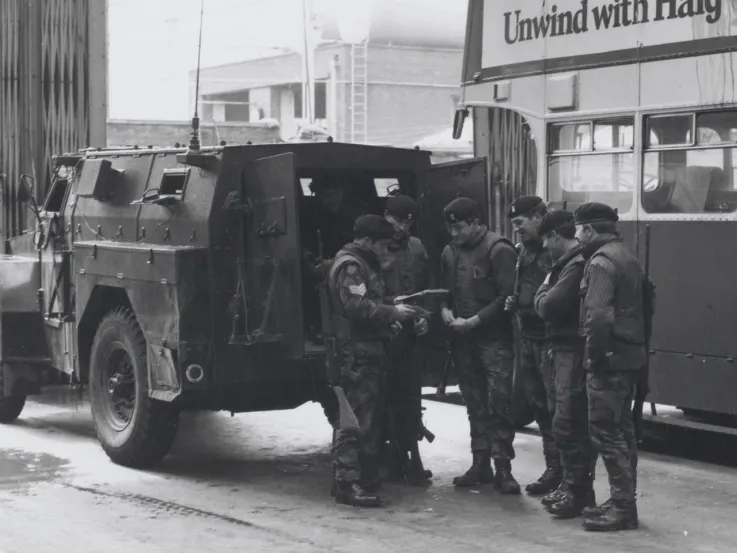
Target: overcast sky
153	43
153	46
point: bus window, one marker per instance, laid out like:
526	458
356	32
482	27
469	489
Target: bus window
671	130
681	177
571	138
598	166
614	134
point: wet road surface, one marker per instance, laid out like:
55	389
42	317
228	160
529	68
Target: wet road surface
260	482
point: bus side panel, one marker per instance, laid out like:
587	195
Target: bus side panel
693	266
695	382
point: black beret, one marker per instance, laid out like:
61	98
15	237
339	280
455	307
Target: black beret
403	207
595	212
373	226
523	205
553	220
462	209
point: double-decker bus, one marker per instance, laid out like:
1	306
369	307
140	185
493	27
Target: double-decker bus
632	103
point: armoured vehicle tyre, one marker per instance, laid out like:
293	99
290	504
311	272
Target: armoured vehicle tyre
10	407
134	430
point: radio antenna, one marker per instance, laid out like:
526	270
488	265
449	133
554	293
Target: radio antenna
194	140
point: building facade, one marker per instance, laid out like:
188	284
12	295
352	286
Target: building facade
376	93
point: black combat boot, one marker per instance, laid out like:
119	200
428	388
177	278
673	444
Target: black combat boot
504	481
370	481
351	493
550	479
573	502
556	495
597	511
479	473
622	515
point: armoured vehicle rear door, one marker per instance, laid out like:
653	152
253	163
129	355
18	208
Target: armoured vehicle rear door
442	184
54	242
273	273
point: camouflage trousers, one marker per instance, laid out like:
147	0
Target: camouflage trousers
485	371
540	392
610	396
570	419
355	452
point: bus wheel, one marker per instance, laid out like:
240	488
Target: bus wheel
10	407
134	430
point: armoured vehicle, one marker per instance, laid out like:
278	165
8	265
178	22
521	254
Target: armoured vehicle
172	279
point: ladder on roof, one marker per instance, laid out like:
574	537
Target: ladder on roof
359	92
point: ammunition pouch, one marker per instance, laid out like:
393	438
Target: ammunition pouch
342	328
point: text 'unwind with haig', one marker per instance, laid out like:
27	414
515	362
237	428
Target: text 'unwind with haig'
619	13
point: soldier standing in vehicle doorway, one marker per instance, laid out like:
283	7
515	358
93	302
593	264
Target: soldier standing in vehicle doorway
558	304
533	265
361	323
613	323
478	268
409	273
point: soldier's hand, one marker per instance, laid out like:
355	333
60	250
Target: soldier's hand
405	312
447	316
510	304
395	328
421	326
464	325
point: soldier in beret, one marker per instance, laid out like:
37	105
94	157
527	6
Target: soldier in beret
533	264
613	324
478	269
408	273
557	302
361	322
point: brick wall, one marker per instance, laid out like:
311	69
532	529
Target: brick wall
167	133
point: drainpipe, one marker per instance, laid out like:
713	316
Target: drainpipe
334	100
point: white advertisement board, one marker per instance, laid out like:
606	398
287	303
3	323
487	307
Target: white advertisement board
576	32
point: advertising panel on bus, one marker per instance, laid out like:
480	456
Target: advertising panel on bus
528	36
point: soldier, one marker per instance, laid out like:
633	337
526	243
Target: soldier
409	273
533	264
613	324
361	321
336	214
478	269
557	302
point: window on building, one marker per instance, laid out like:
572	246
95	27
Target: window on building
592	161
321	100
690	163
297	96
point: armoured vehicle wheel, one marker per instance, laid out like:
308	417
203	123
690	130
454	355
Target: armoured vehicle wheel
10	407
134	430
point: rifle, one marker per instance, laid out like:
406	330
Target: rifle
642	388
424	432
517	271
331	362
440	391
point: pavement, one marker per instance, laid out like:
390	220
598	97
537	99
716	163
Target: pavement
260	482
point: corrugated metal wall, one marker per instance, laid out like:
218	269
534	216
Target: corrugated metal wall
53	92
512	164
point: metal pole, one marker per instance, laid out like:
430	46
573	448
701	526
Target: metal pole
97	92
